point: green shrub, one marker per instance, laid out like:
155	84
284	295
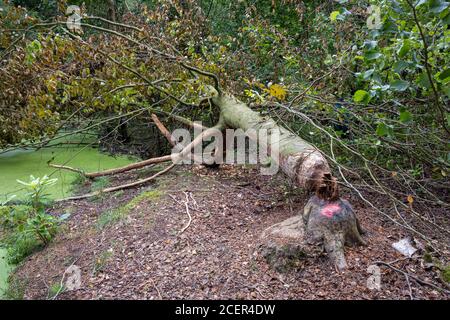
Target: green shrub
28	228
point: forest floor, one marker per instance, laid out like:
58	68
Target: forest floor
128	245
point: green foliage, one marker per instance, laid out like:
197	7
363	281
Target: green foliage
36	187
361	96
29	227
16	289
414	40
55	289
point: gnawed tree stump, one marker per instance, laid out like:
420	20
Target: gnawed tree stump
329	224
334	224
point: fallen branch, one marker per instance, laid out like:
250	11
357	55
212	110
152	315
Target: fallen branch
57	166
117	188
175	158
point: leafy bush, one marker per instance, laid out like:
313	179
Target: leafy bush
28	227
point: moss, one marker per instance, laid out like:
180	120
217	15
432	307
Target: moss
15	290
427	257
446	274
55	289
100	183
144	196
113	216
118	193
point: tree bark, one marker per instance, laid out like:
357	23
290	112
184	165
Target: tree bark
299	160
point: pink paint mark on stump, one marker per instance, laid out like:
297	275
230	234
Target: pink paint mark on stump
330	210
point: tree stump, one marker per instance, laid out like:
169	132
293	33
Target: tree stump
283	245
329	224
333	223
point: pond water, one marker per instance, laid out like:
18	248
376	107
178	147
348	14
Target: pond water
20	164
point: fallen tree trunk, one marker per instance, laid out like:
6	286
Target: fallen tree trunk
299	160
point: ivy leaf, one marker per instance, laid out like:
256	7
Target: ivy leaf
420	2
405	116
399	66
361	96
423	81
381	87
367	74
399	85
390	26
372	55
437	6
382	129
404	49
370	44
444	74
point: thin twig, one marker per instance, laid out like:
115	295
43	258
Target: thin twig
186	204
